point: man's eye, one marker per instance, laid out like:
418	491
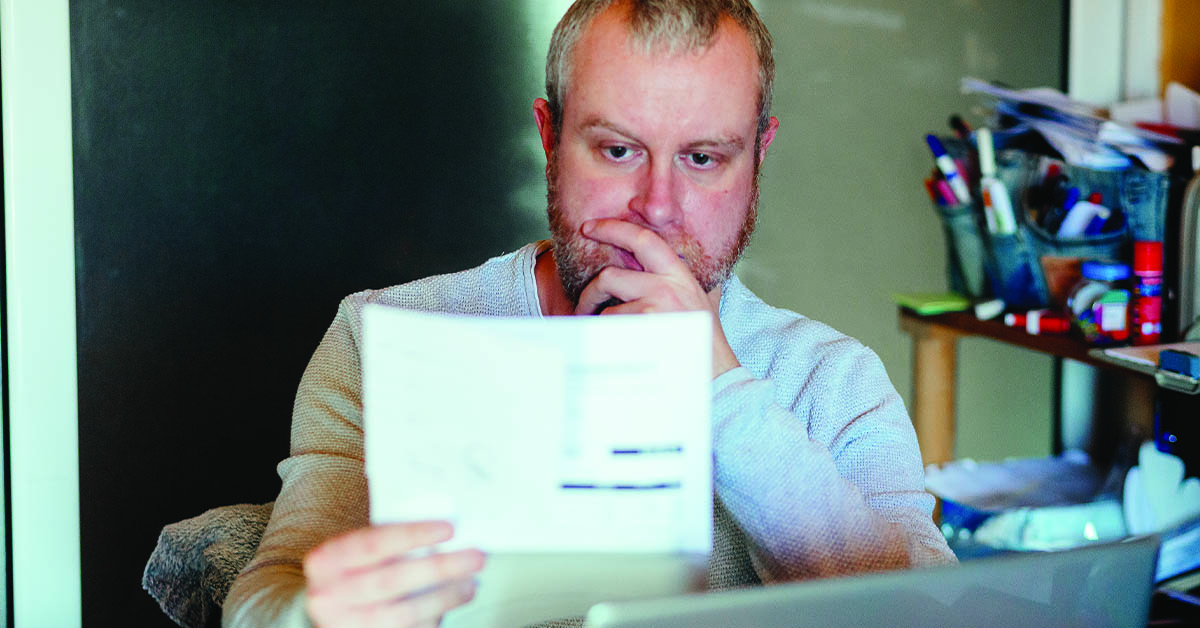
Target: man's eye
617	152
700	159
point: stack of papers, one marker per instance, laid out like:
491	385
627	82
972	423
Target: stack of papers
1082	134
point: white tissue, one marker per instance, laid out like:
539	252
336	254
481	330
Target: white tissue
1052	527
1156	495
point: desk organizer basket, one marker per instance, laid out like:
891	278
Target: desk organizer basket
1033	268
965	237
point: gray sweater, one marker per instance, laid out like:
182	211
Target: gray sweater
816	467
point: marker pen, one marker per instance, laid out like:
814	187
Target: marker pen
946	164
960	126
1039	322
948	194
1096	225
1073	195
1076	222
1053	216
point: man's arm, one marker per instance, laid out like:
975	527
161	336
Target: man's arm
318	557
834	486
837	490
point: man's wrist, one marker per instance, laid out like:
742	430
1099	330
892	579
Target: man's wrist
723	359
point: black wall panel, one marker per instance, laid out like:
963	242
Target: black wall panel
239	167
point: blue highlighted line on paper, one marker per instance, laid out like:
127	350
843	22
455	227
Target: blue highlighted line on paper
623	487
633	451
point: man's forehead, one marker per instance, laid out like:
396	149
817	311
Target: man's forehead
611	30
616	80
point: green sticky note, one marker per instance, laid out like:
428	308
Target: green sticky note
925	303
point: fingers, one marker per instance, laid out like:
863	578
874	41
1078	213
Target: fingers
613	282
401	577
418	610
371	546
651	251
371	577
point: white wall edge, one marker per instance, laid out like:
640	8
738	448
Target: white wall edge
43	442
1095	72
1143	49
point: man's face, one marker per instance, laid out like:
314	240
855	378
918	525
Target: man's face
664	141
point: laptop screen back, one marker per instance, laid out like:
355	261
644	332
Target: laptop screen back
1100	585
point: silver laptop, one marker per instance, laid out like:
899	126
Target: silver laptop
1099	585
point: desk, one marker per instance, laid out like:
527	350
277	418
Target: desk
935	349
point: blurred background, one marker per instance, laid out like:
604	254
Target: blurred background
241	166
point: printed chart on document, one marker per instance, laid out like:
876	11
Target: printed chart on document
563	434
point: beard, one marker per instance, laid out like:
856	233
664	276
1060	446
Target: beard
580	259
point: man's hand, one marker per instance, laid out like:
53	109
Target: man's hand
368	577
665	283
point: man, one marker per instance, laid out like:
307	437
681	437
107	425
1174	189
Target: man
656	124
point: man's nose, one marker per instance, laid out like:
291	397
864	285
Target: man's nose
657	199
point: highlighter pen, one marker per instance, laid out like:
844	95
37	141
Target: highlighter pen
996	202
946	164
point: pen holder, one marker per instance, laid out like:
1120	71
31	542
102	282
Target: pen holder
1016	275
1012	259
966	246
1144	197
965	250
1061	259
1138	197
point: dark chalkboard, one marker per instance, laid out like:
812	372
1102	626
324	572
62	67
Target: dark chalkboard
239	167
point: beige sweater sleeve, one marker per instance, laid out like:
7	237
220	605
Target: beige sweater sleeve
324	490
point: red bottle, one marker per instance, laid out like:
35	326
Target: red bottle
1146	317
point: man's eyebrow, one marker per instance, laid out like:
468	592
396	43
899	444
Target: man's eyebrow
601	123
730	143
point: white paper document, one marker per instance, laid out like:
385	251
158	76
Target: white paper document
534	435
560	436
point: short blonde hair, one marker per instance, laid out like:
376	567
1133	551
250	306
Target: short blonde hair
673	24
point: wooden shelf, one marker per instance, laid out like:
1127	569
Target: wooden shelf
935	354
965	324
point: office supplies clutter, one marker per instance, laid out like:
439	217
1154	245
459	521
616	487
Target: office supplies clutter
1025	504
1057	183
1099	303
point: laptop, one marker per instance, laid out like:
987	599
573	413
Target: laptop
1099	585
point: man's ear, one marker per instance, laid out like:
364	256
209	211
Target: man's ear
768	136
545	125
